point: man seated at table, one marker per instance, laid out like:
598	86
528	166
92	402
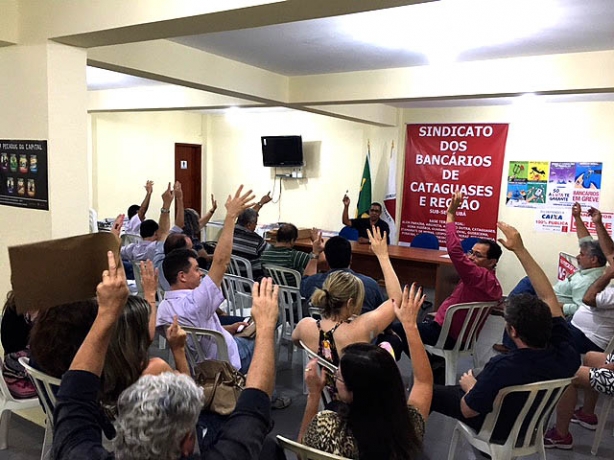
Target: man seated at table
157	415
136	213
338	252
478	281
363	223
196	302
591	262
282	252
544	352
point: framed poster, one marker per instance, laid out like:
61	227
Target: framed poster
23	174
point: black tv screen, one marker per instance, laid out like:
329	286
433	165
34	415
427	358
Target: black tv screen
282	150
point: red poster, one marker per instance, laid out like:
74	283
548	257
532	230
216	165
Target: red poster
566	266
441	159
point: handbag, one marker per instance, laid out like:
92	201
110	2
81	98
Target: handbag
222	385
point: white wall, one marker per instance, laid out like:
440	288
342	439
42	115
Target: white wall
131	148
555	131
334	151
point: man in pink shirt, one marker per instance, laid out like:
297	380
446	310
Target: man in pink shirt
478	281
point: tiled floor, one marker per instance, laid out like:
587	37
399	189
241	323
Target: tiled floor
25	437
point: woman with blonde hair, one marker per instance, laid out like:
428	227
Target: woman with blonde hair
340	300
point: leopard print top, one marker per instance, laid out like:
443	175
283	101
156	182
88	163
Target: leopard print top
329	432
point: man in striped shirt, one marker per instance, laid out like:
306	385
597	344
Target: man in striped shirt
282	253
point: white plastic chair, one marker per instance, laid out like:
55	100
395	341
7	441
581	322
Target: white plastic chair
516	445
282	275
127	239
44	388
477	313
290	313
199	345
8	404
306	453
240	266
237	291
605	409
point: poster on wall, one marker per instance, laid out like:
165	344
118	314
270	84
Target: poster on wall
23	174
555	220
538	184
442	159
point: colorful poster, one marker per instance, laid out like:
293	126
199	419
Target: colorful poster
442	159
606	217
552	220
23	174
587	184
561	183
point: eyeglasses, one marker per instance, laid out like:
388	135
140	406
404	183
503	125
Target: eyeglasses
375	210
476	254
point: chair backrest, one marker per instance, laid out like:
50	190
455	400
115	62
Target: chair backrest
238	292
204	343
468	243
136	269
425	241
349	233
476	314
45	387
290	306
528	428
321	361
240	266
282	275
129	239
306	453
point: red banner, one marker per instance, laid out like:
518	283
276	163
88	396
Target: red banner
441	159
566	266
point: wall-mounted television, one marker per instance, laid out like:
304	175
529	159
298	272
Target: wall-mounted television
282	150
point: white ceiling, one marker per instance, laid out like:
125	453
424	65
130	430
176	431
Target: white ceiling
460	30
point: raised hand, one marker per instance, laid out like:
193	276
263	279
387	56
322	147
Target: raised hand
346	200
315	382
595	215
167	196
576	210
457	200
178	191
379	243
112	291
149	186
175	335
265	309
240	202
265	198
118	224
213	204
149	280
512	240
467	381
411	302
317	242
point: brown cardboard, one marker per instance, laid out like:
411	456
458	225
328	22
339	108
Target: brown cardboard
59	271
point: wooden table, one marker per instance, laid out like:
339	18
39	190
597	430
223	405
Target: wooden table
424	266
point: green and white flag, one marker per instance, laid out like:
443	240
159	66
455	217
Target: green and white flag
364	198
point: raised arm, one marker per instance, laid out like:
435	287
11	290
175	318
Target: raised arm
576	212
145	204
605	241
111	293
345	216
176	338
317	247
380	318
165	213
590	296
456	201
315	384
207	217
234	206
541	284
149	281
264	200
265	311
421	393
179	208
118	224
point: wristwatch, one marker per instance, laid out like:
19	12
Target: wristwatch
313	255
164	210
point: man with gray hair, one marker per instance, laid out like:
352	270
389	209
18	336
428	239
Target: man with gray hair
157	415
247	243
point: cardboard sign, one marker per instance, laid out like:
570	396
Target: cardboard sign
60	271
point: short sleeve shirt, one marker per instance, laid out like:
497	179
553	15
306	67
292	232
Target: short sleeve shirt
363	223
